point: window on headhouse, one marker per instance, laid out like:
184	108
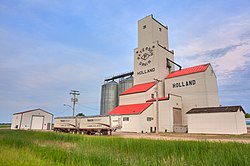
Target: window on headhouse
149	118
144	27
125	118
159	29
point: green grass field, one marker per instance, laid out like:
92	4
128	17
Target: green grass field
49	148
5	126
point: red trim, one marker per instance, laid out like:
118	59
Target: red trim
159	99
139	88
190	70
38	109
131	109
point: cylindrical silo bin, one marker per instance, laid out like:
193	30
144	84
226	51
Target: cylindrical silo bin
125	84
109	97
103	97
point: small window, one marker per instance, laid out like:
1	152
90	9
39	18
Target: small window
16	126
144	27
160	29
149	118
125	118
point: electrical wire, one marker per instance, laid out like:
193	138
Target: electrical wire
87	107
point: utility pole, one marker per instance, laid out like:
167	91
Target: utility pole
74	100
157	105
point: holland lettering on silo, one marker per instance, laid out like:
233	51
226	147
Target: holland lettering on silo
145	71
184	84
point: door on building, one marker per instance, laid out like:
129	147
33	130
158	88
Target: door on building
37	122
177	113
48	126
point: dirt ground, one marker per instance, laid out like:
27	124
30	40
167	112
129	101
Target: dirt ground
245	138
187	137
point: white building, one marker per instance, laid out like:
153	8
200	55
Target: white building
196	85
36	119
155	76
217	120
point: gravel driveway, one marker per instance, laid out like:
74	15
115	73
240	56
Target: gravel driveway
187	137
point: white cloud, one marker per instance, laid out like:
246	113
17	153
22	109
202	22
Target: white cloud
226	47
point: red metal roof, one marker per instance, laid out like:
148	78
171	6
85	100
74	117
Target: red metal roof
190	70
139	88
159	99
130	109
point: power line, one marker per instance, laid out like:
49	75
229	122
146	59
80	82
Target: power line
87	107
62	112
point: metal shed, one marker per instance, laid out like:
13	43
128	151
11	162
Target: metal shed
217	120
36	119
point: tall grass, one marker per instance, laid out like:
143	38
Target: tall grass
5	126
42	148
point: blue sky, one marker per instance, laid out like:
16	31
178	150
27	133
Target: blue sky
48	48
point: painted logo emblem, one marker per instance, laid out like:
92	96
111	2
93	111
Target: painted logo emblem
144	56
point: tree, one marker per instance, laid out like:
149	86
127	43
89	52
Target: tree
247	115
80	114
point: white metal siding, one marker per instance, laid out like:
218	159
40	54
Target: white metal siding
133	125
166	112
216	123
203	94
16	120
145	125
241	123
136	97
24	120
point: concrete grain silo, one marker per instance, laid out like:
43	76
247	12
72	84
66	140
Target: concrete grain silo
109	97
125	84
